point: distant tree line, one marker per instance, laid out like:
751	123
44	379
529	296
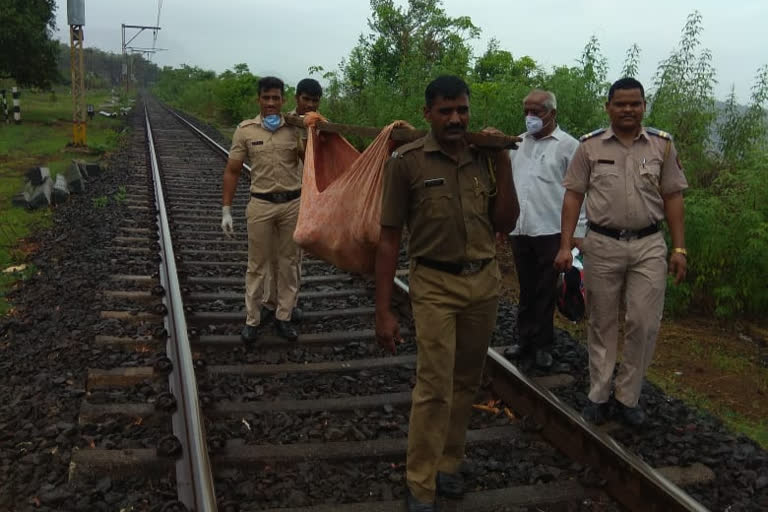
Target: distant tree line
104	69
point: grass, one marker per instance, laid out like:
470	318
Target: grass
41	140
672	384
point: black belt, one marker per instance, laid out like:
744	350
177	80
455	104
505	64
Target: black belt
278	197
464	268
624	234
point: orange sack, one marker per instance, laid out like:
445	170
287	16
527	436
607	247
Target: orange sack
340	212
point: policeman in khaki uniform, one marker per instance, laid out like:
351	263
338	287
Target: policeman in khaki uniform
275	151
632	179
442	190
308	94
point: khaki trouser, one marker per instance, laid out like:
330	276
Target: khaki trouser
454	316
270	283
641	266
270	234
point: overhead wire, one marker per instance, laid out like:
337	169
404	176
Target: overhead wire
157	24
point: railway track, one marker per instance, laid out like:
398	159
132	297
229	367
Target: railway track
318	424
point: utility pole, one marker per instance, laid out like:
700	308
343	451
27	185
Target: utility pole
76	20
128	58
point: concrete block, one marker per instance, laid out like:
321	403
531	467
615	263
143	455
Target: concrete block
75	178
60	190
20	200
41	194
37	175
92	169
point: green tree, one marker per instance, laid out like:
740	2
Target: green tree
28	51
631	62
581	90
405	48
422	29
683	101
745	130
237	93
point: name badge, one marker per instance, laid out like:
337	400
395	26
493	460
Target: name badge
435	182
257	143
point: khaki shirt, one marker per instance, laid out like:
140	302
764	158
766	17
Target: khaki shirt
624	185
273	156
444	202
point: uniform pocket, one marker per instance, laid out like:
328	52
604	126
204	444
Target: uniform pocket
650	176
437	205
604	171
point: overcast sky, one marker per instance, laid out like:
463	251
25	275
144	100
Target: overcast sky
285	37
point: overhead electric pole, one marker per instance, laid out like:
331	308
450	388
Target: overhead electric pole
76	20
127	58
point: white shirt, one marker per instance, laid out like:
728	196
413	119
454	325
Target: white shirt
538	169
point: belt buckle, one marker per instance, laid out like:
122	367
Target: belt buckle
627	235
471	267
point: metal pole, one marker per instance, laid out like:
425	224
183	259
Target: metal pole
78	85
125	63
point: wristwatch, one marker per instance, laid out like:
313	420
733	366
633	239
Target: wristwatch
680	250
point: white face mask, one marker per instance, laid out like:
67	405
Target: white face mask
533	124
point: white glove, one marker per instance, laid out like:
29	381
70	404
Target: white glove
226	221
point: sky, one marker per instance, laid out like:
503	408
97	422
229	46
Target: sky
286	37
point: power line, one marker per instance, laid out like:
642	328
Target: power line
157	24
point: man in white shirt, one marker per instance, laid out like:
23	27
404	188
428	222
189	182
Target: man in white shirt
538	167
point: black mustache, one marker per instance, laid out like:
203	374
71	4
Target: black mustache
454	127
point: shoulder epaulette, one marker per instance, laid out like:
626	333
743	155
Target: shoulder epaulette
405	148
659	133
592	134
247	122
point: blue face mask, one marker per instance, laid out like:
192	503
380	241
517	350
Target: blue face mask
271	122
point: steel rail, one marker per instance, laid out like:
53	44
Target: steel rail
200	133
194	480
629	479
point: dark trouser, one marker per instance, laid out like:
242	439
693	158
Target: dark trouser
534	258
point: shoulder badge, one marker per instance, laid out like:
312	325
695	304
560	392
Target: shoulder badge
592	134
659	133
405	148
247	122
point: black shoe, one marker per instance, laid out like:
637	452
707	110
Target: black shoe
414	505
450	485
249	335
596	413
544	359
632	416
516	351
297	315
267	315
286	330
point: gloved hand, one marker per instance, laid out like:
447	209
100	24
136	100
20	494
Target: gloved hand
226	221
